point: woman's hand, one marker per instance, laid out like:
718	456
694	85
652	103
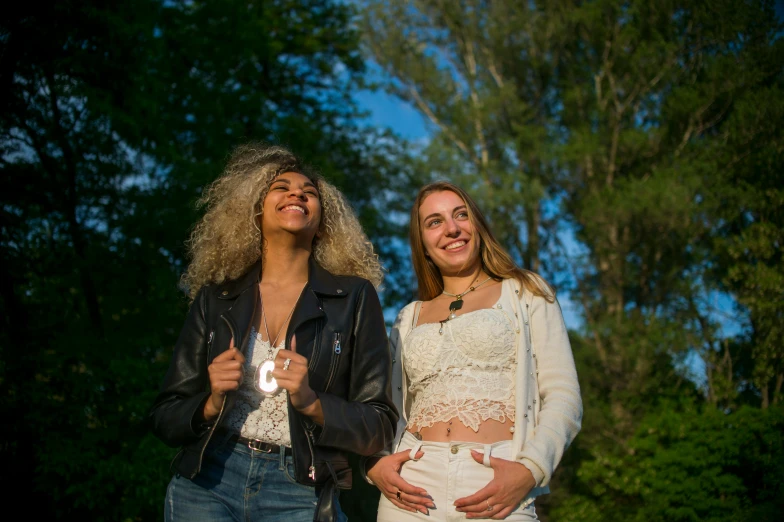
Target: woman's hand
385	474
511	483
291	373
225	373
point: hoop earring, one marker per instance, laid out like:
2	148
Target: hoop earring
254	222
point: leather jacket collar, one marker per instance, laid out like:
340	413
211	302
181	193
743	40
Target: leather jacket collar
319	280
320	283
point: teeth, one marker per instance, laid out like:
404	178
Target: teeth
294	207
456	244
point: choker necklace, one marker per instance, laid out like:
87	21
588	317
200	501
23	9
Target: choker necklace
457	304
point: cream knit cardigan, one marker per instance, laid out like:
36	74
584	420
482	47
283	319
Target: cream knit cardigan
548	407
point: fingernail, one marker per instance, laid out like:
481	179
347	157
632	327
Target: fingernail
431	505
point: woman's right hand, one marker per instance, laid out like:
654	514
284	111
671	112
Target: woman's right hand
385	474
225	375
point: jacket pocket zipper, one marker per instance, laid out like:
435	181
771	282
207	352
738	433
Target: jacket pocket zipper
333	365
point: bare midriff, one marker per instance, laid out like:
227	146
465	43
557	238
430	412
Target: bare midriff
489	431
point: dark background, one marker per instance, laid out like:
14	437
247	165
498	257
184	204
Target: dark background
631	152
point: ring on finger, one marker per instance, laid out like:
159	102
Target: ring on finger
286	363
489	507
398	494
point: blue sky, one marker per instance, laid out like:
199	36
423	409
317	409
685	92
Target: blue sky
389	111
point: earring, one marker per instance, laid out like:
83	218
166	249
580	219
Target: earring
255	219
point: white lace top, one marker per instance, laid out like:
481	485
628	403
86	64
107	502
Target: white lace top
467	373
254	415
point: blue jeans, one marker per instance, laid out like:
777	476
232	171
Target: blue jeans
238	484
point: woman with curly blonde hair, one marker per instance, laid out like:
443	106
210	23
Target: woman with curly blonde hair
282	366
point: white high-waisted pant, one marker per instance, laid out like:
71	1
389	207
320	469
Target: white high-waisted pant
447	471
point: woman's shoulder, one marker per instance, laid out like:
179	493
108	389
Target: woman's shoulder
406	315
329	281
353	285
544	291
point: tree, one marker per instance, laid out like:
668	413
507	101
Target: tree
633	149
114	117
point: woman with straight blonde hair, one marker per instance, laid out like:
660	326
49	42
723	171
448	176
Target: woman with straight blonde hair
282	366
484	374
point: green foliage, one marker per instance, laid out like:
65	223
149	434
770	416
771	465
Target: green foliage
687	463
632	152
114	118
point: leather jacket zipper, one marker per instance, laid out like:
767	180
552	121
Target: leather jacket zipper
209	344
223	403
312	468
316	352
335	355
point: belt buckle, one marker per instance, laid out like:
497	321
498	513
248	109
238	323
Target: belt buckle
257	445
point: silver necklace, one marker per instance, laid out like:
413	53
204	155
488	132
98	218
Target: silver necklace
264	381
457	304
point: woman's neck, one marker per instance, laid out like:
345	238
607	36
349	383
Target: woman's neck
460	282
282	266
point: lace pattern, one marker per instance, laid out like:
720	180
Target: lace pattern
467	373
254	415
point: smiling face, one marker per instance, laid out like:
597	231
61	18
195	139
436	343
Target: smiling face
292	205
448	234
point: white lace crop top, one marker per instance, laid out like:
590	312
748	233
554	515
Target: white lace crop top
255	416
468	372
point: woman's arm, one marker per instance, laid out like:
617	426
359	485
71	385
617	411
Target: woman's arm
559	419
177	409
383	469
364	422
395	350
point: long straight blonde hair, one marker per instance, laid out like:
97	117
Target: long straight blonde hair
496	261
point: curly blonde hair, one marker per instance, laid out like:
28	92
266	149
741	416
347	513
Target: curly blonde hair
227	241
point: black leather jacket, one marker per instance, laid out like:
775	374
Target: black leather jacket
340	329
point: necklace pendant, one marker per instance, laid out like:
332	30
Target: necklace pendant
455	305
264	381
452	316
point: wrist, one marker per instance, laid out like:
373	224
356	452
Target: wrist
368	469
370	463
307	405
209	412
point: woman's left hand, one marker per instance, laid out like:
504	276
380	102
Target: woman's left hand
291	373
511	483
